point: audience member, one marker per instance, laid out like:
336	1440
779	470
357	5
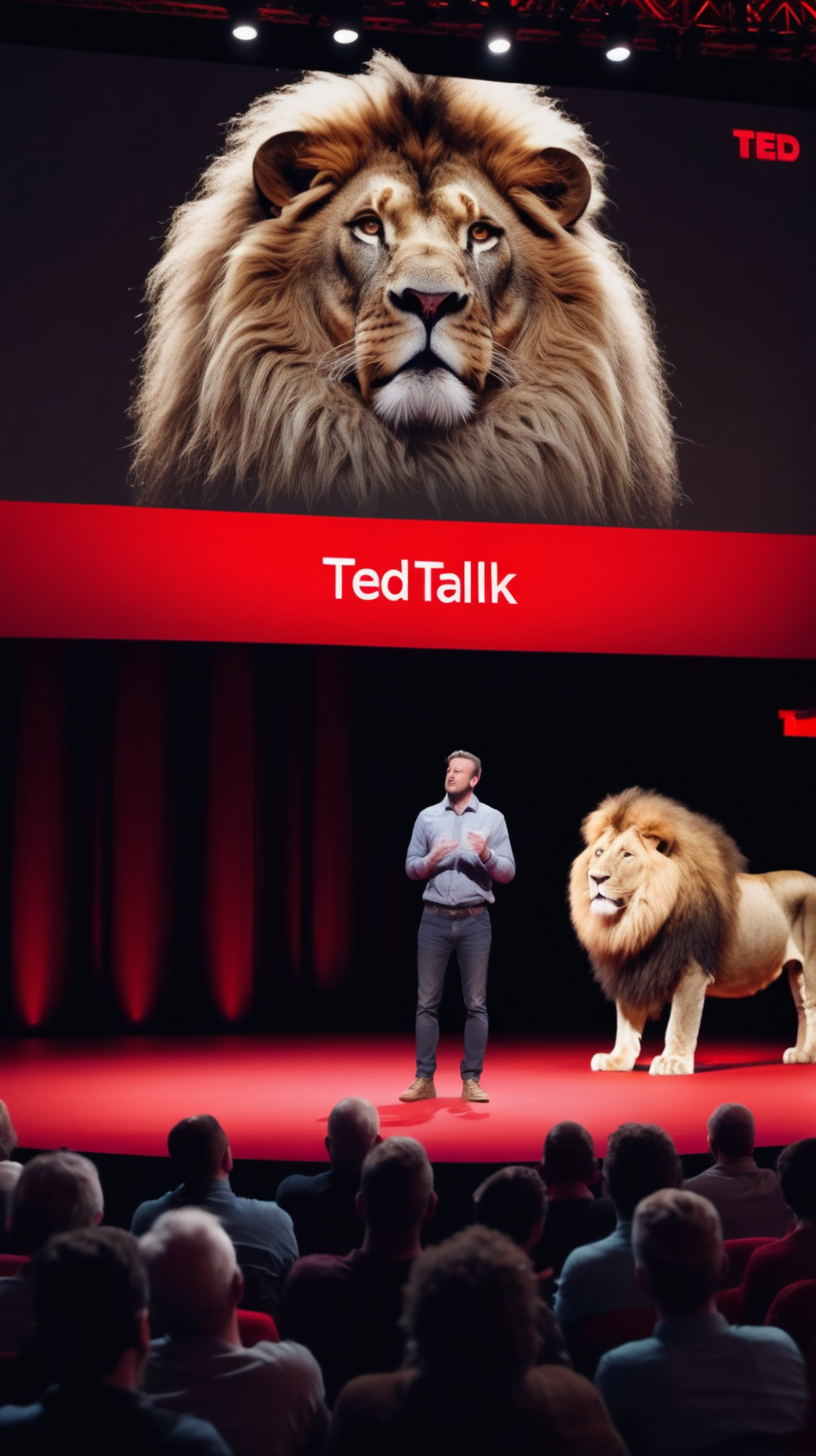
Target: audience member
697	1381
788	1260
261	1232
264	1401
9	1169
748	1199
346	1309
514	1202
598	1277
322	1207
55	1193
575	1216
472	1387
90	1290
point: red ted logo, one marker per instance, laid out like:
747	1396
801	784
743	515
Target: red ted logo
767	146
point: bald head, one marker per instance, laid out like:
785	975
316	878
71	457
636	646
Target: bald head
195	1283
353	1130
731	1132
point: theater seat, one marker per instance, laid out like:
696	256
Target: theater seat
794	1311
592	1337
738	1252
10	1263
253	1326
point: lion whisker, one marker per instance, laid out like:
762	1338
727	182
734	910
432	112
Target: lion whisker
338	363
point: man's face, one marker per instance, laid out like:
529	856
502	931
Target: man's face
460	776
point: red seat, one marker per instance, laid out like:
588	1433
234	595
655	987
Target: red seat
10	1263
738	1252
729	1304
253	1326
601	1332
794	1311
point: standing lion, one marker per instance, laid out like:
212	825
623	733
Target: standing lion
391	295
659	899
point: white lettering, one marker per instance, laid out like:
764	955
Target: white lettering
480	578
467	581
449	587
338	562
366	584
499	588
402	577
428	567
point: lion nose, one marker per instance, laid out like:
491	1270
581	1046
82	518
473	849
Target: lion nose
430	307
599	879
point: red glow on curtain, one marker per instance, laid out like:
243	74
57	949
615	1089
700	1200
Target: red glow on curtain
39	865
332	823
139	853
293	865
231	831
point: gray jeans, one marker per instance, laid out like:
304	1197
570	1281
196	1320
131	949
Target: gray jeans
470	938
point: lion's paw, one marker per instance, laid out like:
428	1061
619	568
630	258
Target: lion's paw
804	1057
671	1066
606	1062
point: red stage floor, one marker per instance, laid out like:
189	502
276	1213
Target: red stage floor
121	1095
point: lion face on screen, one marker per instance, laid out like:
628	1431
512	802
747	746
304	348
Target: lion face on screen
391	294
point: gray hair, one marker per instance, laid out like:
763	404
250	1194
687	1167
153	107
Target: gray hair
191	1266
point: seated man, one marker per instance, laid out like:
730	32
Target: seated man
90	1298
697	1381
322	1206
793	1258
346	1310
264	1401
600	1277
574	1215
471	1386
261	1232
10	1170
56	1192
748	1198
514	1202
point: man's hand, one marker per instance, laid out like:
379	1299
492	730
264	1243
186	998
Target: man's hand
440	851
478	844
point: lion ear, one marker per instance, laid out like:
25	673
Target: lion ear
663	846
567	185
277	171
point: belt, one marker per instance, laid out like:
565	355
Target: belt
455	912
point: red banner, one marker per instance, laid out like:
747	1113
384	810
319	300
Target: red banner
110	571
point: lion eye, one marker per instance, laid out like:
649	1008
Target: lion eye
368	227
627	854
598	853
482	232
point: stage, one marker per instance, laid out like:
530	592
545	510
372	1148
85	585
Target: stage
273	1094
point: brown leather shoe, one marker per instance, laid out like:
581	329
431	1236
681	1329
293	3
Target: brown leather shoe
472	1092
419	1089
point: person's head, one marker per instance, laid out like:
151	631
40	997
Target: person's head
200	1149
640	1159
796	1166
8	1137
90	1307
195	1282
477	1281
678	1249
396	1187
731	1132
353	1130
568	1158
55	1192
462	773
513	1202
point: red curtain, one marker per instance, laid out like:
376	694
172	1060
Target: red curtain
333	822
231	831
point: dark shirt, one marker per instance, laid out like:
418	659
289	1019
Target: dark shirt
103	1420
346	1311
262	1233
571	1223
322	1210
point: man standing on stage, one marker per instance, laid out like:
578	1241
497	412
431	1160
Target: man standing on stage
459	847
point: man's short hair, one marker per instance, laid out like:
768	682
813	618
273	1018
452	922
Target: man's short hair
197	1146
55	1192
353	1125
465	753
640	1158
677	1240
396	1182
569	1155
8	1137
191	1268
796	1166
90	1287
731	1130
512	1202
471	1308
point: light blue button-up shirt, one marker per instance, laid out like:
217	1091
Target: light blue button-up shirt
462	878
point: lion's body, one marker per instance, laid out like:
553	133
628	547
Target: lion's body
660	900
391	295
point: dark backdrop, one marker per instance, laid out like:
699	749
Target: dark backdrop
194	838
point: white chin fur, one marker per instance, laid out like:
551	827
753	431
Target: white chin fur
437	400
600	906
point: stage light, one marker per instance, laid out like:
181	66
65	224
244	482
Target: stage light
619	26
244	22
499	44
347	26
346	35
618	53
500	31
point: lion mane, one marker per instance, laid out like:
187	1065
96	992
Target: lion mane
545	399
